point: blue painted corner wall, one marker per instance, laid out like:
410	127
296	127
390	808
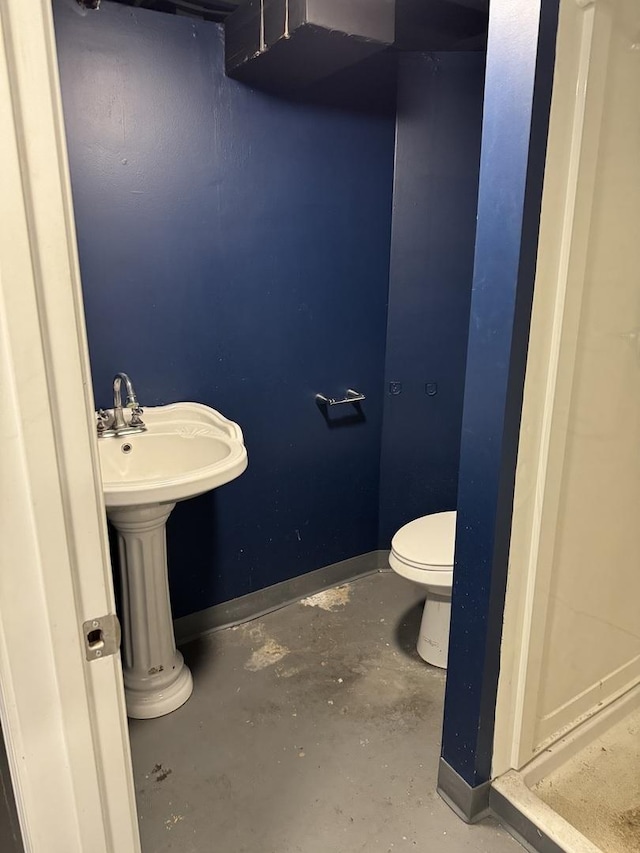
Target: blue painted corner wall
439	121
234	250
519	78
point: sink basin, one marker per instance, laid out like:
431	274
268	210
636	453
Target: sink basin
187	449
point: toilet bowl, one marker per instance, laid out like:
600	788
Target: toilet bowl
422	551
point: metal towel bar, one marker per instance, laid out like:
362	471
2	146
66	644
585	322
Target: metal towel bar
351	397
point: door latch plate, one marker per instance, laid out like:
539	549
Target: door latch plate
101	636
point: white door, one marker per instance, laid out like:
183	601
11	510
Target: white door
63	716
571	641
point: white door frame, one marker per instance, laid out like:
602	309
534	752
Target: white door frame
63	718
574	134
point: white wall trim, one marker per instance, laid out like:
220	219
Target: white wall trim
63	718
579	735
617	692
549	825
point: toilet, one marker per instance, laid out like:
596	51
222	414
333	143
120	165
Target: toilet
422	551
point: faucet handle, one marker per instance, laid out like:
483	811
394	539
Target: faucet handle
136	420
103	421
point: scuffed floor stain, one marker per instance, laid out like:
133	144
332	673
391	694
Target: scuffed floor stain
172	820
159	772
629	827
329	599
269	653
288	672
162	772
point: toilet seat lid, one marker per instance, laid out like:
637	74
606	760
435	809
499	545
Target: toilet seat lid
428	541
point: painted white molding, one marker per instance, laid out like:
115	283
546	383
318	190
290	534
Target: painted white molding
580	174
559	831
569	176
63	718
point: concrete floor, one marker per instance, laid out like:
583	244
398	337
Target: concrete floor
315	729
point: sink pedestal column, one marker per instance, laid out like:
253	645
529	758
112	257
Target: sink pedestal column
156	679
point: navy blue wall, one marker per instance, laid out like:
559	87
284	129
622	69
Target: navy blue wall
434	218
520	65
235	251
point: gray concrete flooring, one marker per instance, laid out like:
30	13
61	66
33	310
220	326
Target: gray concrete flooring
315	729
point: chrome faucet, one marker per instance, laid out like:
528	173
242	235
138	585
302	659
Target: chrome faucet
112	422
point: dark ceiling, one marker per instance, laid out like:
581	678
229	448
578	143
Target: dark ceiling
217	10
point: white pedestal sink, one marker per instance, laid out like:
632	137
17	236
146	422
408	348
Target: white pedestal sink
188	449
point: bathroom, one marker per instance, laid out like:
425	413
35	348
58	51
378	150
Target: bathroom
219	216
254	261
